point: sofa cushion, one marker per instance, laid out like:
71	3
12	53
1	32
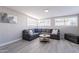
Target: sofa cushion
54	31
30	32
37	30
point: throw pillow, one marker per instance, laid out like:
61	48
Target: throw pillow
30	32
54	31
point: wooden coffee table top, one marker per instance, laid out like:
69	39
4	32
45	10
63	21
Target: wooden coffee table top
44	37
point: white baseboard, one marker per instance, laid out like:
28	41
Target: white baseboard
9	42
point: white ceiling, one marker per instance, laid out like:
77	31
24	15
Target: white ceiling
38	11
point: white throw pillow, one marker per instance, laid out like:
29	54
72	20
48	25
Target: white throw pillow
54	32
31	32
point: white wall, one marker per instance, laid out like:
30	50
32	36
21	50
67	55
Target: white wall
10	32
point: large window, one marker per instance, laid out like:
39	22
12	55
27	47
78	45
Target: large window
44	22
66	21
38	23
31	22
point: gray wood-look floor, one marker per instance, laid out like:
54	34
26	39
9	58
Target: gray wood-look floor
35	46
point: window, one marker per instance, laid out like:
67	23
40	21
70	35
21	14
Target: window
31	22
59	22
44	22
66	21
38	23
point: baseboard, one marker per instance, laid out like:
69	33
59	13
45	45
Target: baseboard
9	42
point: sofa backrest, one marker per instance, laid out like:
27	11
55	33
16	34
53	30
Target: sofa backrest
42	30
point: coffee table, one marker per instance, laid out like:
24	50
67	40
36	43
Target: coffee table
44	37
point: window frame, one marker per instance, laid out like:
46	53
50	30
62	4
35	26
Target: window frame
44	24
39	22
65	21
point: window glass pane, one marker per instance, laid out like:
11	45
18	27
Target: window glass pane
59	22
31	22
66	21
71	21
45	22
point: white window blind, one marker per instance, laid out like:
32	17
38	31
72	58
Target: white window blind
31	22
39	23
66	21
44	22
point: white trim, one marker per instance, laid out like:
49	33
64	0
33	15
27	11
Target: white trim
9	42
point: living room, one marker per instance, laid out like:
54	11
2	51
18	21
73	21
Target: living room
39	29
